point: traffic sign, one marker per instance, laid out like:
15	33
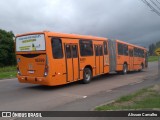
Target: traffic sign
157	51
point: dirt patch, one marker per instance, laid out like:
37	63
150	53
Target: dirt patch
156	88
128	103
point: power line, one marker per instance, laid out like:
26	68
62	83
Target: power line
155	4
153	8
158	1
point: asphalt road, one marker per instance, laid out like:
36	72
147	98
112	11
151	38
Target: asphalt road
15	96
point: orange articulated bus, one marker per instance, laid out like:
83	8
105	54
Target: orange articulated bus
51	59
126	57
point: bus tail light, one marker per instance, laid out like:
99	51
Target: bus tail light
18	71
46	70
46	67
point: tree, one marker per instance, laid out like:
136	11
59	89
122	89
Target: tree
7	52
151	49
158	44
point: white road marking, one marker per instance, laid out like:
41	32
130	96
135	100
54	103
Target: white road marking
73	95
84	96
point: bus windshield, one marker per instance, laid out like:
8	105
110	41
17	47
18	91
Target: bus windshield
30	43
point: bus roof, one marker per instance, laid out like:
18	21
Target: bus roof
64	35
76	36
131	44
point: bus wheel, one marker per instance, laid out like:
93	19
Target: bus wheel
87	75
125	69
142	67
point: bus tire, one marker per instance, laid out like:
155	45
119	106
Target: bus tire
142	67
125	69
87	75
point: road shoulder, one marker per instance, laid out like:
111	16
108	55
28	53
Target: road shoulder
89	103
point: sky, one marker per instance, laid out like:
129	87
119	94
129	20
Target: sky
128	20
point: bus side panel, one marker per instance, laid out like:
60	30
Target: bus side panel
131	59
57	69
57	72
87	61
121	59
137	63
84	61
139	58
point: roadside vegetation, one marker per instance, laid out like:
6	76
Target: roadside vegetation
8	72
145	99
7	48
7	55
152	47
152	58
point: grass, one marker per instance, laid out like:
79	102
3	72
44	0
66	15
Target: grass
144	99
8	72
152	58
130	97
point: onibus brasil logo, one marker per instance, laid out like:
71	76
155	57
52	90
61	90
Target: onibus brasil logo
21	114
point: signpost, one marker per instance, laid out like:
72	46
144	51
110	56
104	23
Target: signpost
157	51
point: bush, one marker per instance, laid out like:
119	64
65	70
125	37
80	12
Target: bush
7	52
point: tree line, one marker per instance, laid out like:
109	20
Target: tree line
153	47
7	49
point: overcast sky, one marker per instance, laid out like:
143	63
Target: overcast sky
127	20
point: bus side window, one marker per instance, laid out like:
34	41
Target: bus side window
125	50
68	51
120	49
135	52
86	47
105	48
143	54
96	50
74	51
131	53
100	51
57	48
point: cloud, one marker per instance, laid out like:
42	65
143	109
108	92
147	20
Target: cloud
128	20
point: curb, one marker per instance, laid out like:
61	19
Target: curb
112	101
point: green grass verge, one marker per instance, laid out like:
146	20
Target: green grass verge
148	98
8	72
152	58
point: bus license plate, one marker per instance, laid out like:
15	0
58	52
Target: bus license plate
31	72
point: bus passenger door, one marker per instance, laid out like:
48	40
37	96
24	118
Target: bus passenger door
72	64
131	59
99	59
75	61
